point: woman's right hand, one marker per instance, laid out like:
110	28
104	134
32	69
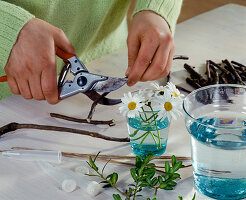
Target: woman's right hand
31	66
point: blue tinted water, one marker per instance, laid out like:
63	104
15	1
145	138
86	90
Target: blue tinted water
142	134
221	188
219	157
145	149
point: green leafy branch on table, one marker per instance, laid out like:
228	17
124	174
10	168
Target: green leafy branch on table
143	175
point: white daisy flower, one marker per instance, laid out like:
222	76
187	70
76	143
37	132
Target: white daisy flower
168	106
160	89
175	92
131	104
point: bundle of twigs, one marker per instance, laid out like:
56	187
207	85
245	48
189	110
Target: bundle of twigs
217	73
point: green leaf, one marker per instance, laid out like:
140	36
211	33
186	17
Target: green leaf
168	188
150	172
93	166
148	181
177	166
144	184
172	183
154	181
96	156
116	197
160	179
107	186
138	162
173	160
134	133
167	176
104	182
105	165
181	198
194	197
114	178
174	176
163	186
167	167
131	190
151	165
133	173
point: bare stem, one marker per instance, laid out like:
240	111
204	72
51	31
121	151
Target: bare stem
93	106
15	126
73	119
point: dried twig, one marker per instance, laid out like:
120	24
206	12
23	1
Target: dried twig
15	126
109	122
228	64
183	89
208	71
181	57
93	106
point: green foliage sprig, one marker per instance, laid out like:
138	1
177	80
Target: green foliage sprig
143	175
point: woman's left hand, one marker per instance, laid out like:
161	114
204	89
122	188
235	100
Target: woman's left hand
150	48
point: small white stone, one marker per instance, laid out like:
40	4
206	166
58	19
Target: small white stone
94	188
82	170
69	185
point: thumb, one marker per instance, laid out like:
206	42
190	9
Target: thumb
63	45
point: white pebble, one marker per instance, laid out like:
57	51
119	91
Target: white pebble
94	188
82	170
69	185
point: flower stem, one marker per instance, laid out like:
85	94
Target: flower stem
159	138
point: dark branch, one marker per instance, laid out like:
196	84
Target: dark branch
15	126
73	119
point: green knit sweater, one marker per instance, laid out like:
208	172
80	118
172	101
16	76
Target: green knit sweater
94	27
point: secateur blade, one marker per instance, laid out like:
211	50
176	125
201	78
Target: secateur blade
110	84
94	96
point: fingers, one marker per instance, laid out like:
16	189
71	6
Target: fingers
49	84
169	63
13	85
62	42
36	90
161	64
144	57
24	88
133	44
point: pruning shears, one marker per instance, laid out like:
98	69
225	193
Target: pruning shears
84	81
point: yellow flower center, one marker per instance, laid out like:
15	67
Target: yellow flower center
132	105
168	106
175	94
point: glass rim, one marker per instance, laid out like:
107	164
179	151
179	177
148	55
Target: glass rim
204	88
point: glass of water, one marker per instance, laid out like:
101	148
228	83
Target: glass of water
215	117
147	134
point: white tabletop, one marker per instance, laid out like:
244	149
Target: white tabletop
215	35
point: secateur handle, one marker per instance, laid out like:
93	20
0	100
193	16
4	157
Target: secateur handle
3	79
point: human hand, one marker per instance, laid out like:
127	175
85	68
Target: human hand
31	67
150	48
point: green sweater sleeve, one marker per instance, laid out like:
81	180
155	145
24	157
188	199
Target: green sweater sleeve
12	19
168	9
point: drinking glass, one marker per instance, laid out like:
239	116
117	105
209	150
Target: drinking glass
215	117
147	134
